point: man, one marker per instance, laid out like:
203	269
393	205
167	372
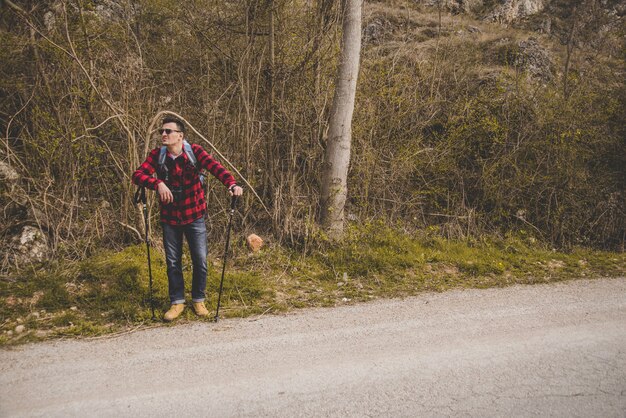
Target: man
183	207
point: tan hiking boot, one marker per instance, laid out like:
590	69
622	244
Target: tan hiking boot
174	312
200	309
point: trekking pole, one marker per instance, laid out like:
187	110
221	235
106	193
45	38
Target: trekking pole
140	196
230	222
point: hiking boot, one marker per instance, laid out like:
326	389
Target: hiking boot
174	312
200	309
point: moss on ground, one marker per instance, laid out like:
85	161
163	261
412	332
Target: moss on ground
109	293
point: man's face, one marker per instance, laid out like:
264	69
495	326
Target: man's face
174	137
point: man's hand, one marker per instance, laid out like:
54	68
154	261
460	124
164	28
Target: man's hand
235	191
165	194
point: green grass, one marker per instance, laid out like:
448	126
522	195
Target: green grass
109	293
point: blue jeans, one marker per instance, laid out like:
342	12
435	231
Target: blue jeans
195	232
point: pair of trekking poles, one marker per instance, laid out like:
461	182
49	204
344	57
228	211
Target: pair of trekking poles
140	197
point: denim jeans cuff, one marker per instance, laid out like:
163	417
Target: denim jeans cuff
197	300
178	302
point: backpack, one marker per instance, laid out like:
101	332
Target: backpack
190	155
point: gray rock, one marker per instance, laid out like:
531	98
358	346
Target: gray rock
534	59
457	6
111	10
546	26
374	32
29	245
510	10
49	20
8	175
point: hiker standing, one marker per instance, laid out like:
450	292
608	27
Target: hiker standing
183	206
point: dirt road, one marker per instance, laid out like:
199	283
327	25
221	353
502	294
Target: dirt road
548	350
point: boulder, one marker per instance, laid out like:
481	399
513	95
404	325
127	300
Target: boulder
254	242
374	31
534	59
28	246
111	10
510	10
8	176
457	6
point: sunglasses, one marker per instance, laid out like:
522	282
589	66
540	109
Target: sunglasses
167	131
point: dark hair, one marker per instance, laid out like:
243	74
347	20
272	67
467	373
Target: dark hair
171	119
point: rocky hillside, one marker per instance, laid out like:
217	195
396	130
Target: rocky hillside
506	111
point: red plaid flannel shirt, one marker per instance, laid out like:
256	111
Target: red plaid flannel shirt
183	175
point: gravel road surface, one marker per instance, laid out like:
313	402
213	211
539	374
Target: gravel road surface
544	350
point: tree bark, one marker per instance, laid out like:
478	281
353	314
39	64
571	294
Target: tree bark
569	50
337	155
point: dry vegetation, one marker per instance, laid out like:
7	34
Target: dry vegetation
463	128
452	128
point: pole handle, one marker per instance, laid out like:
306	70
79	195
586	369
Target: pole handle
140	195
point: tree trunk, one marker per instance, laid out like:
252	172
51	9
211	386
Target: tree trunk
568	57
337	156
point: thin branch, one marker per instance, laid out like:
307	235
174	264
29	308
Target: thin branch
96	127
132	229
9	150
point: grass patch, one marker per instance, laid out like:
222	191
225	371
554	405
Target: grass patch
110	292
